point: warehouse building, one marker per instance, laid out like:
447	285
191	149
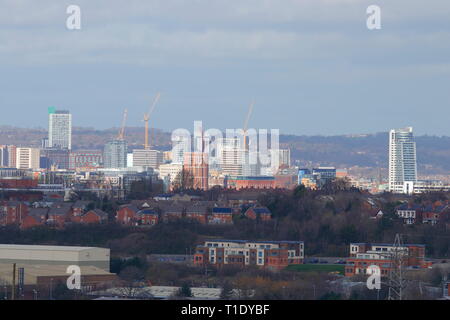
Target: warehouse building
55	255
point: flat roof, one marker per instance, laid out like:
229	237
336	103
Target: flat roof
253	241
43	247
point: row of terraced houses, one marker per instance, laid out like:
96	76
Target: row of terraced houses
205	212
58	214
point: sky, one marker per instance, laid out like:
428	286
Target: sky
311	66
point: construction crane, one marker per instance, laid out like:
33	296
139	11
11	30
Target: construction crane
147	118
250	110
121	134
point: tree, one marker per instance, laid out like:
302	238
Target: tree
183	181
185	291
227	291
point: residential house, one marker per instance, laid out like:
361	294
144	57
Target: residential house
260	213
198	212
94	216
221	215
127	214
148	217
12	212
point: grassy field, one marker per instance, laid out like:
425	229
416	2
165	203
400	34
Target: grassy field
317	268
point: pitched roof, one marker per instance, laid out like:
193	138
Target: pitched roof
222	210
80	204
261	210
129	206
147	211
100	213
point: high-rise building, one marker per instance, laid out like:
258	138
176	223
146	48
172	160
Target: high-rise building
147	158
231	156
59	129
402	160
4	156
115	154
179	147
27	158
196	166
8	156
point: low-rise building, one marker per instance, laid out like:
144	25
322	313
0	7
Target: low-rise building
94	216
267	254
363	255
148	217
260	213
221	215
127	214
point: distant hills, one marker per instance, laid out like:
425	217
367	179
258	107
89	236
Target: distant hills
369	150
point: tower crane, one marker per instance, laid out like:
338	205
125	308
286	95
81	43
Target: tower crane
147	118
121	134
247	119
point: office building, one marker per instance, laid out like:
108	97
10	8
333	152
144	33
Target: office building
115	154
4	157
85	159
402	161
168	172
27	158
230	156
54	158
59	129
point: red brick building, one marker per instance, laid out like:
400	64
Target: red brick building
94	216
148	217
221	215
59	214
260	213
127	215
197	212
36	217
274	255
248	182
196	165
12	212
363	255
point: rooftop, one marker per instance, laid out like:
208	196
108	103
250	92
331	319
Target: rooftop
41	247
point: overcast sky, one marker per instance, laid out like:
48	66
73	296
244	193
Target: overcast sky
311	66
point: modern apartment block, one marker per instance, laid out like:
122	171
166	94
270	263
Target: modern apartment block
115	154
59	129
402	161
267	254
230	156
363	255
27	158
